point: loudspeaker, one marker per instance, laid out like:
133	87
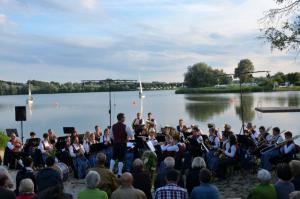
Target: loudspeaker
20	112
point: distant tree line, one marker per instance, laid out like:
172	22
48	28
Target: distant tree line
41	87
203	75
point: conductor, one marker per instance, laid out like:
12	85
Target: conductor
120	134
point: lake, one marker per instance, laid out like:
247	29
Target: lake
85	110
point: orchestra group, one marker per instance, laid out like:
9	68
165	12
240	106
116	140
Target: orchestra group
220	148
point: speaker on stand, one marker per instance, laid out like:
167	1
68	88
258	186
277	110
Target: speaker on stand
20	114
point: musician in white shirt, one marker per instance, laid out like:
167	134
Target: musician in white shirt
80	163
45	146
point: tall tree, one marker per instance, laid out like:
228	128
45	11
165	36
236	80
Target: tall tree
281	25
244	66
202	75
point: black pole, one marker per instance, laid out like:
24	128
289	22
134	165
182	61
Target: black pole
242	108
22	137
109	104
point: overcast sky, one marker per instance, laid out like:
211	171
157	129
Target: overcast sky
73	40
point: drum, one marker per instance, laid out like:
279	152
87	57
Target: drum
63	170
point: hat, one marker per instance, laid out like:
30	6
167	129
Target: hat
211	125
227	126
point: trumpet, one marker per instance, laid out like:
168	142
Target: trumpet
278	145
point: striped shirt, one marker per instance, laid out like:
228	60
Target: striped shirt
171	191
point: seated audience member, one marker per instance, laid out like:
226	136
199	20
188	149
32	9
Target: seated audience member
92	192
54	192
9	184
295	195
206	190
126	190
160	181
26	189
141	178
4	191
264	189
192	178
48	177
26	172
283	186
295	167
108	181
171	188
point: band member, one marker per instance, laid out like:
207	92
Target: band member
32	135
151	122
107	141
65	156
227	157
79	161
12	152
214	141
45	147
272	152
225	135
120	135
212	127
181	126
138	124
152	137
250	131
98	133
52	136
194	142
86	144
264	136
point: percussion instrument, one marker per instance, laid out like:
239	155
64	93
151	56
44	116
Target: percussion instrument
62	169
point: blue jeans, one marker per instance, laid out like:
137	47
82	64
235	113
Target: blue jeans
129	160
80	165
265	159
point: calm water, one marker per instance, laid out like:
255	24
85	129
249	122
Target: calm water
85	110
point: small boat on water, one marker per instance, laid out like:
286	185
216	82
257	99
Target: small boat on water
141	96
30	98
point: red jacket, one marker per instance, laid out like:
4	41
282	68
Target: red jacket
25	196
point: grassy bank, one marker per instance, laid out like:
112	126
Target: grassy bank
229	89
294	88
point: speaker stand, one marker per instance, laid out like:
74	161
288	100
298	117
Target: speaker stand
22	137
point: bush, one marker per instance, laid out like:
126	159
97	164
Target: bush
3	140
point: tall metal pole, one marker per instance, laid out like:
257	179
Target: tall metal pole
22	136
242	108
109	103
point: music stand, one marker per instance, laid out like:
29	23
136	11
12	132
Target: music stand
205	137
11	131
33	142
69	130
95	148
160	138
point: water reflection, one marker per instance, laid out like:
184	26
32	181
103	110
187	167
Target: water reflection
248	108
203	108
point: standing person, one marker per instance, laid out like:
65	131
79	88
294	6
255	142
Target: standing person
151	122
91	191
48	177
171	190
138	124
120	134
108	181
205	190
126	189
283	186
265	189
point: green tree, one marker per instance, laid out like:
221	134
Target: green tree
244	66
293	77
202	75
279	77
281	25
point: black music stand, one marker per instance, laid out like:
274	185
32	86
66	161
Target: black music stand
69	130
11	131
95	148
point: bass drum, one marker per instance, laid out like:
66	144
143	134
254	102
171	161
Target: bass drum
63	170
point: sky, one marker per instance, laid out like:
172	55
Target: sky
74	40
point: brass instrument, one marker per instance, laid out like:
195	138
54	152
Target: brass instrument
278	145
17	145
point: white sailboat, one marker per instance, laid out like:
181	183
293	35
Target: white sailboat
141	96
30	98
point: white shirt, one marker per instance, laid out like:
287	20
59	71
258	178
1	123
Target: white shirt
169	147
46	144
254	135
232	150
10	145
77	147
216	140
287	149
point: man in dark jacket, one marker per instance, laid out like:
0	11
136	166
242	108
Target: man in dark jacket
48	177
